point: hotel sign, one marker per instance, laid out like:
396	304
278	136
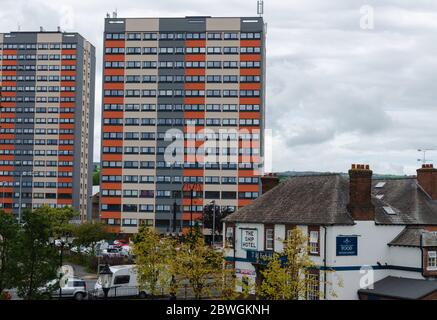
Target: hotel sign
347	245
249	239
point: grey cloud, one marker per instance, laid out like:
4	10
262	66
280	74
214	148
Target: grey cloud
336	94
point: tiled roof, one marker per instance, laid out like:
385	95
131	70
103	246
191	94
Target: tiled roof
300	200
408	200
322	199
410	237
402	288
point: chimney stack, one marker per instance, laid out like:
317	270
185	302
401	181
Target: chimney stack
268	182
427	180
360	193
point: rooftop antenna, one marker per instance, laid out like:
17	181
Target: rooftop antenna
260	8
108	15
424	160
19	26
114	14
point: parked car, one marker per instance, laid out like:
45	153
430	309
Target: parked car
74	288
81	249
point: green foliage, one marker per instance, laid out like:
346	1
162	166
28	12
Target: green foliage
96	177
28	260
87	234
287	279
59	220
164	264
200	265
37	259
151	257
8	241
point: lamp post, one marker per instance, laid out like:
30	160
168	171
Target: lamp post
213	222
106	278
63	241
174	216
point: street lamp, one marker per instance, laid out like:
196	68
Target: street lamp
62	241
213	221
106	279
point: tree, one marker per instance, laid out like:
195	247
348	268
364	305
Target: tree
208	217
96	176
8	262
286	276
37	260
87	234
151	257
59	220
200	265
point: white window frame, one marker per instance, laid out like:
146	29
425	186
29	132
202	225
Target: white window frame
312	293
270	238
432	261
314	242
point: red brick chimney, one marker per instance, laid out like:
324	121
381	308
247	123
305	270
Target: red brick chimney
427	179
360	193
268	182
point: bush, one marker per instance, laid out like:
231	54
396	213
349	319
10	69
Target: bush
5	295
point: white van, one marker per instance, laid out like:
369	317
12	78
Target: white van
124	283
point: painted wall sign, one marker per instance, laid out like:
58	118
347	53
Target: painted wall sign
347	245
249	239
262	257
259	256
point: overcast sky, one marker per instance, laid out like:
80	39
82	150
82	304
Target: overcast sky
336	93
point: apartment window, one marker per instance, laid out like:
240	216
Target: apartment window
146	208
146	222
229	195
314	240
134	36
130	222
214	36
150	36
231	36
269	238
432	260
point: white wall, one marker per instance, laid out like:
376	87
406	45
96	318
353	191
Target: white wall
343	284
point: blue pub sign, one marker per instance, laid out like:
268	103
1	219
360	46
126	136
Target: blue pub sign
347	245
